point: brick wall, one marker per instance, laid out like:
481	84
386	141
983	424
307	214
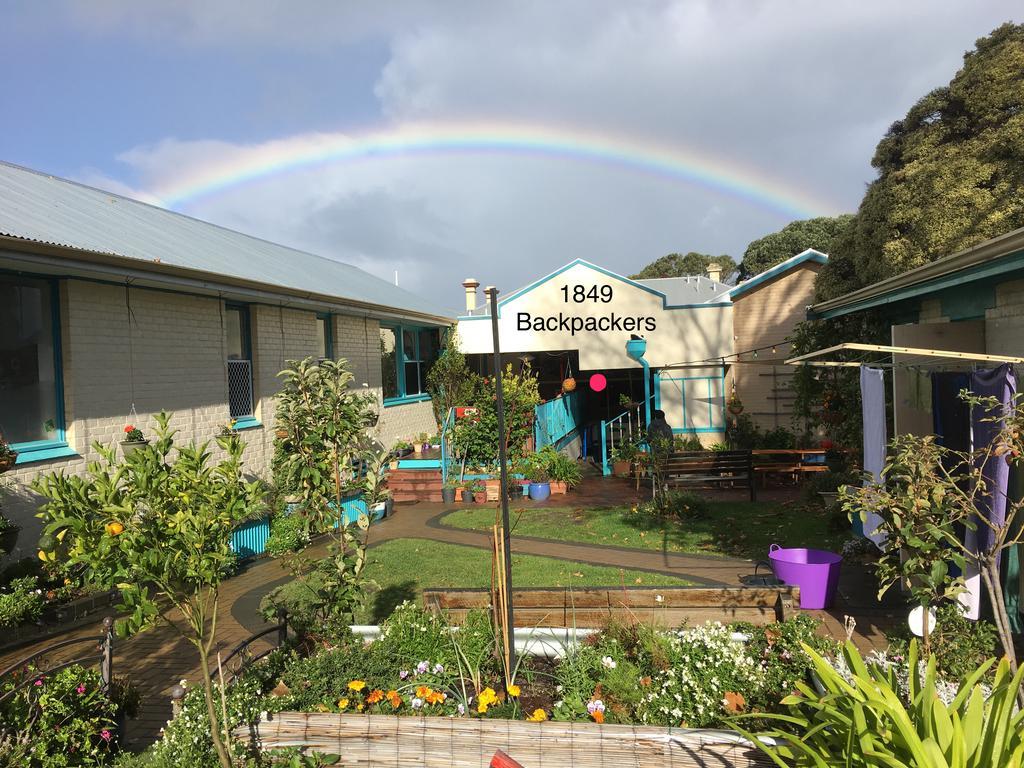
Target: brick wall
166	351
761	318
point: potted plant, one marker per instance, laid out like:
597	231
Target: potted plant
540	483
133	440
424	442
467	493
563	471
402	448
623	458
627	402
448	492
8	456
479	491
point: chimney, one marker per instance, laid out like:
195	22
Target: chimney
714	271
470	285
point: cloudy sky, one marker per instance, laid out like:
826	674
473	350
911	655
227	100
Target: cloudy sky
498	140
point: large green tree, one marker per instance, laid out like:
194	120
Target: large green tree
797	236
950	173
692	263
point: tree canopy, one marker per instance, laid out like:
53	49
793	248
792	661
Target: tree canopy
692	263
950	173
797	236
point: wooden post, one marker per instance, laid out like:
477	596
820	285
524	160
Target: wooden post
492	294
107	658
282	626
750	476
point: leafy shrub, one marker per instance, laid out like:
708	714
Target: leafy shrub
706	669
288	533
690	443
958	645
186	738
559	467
685	505
60	720
865	721
21	602
778	648
412	634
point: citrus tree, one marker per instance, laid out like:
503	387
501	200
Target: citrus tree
157	526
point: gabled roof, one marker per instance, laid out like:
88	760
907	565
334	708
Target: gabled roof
38	208
998	257
483	311
810	255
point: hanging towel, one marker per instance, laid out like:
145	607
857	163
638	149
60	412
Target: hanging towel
872	398
1001	385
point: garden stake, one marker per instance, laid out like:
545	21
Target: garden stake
492	294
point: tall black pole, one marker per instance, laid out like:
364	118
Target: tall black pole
492	295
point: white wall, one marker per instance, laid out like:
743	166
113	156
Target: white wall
680	335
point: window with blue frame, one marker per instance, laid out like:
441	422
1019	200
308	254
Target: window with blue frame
31	394
406	355
324	337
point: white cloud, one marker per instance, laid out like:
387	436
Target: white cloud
795	91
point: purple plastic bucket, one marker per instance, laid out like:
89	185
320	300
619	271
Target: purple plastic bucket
815	571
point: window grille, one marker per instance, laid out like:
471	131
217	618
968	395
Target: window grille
240	388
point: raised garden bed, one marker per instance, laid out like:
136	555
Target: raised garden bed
380	740
595	606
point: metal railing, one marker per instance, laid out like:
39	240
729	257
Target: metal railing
103	655
628	427
447	452
241	656
557	419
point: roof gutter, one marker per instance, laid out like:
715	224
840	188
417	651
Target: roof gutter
881	292
59	260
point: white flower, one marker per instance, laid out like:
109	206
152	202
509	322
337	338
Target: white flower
608	662
659	598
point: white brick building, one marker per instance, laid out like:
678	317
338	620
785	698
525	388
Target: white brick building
108	304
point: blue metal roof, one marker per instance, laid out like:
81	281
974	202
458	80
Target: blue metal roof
54	211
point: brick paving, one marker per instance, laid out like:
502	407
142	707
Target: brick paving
157	659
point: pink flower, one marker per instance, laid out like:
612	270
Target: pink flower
38	682
105	735
80	688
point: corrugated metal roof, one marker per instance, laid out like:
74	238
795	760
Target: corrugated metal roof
689	289
55	211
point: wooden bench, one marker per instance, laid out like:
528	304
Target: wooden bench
718	468
593	607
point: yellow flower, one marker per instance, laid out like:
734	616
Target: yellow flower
342	703
513	690
488	696
538	716
481	707
359	706
422	691
356	685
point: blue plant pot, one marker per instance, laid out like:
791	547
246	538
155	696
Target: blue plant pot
540	491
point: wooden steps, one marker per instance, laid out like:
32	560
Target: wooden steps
415	485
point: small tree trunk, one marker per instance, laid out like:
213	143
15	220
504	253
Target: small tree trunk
211	709
926	638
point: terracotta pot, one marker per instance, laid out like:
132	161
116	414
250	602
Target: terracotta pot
480	497
621	468
559	487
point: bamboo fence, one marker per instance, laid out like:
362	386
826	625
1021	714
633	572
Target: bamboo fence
441	742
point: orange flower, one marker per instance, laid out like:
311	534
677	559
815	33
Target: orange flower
422	691
375	695
435	697
598	716
645	681
734	702
394	699
356	685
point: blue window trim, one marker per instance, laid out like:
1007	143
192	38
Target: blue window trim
660	376
405	400
41	450
327	319
247	422
401	398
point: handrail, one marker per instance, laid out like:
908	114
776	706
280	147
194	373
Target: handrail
447	426
281	628
632	419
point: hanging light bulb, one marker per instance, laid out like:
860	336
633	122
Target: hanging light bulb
755	354
773	349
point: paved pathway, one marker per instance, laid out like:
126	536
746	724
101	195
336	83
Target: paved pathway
156	660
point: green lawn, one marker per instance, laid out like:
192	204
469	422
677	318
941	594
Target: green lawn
737	529
404	567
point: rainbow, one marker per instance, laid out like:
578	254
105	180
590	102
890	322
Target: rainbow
259	162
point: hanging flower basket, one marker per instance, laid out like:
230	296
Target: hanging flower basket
569	384
735	406
128	447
